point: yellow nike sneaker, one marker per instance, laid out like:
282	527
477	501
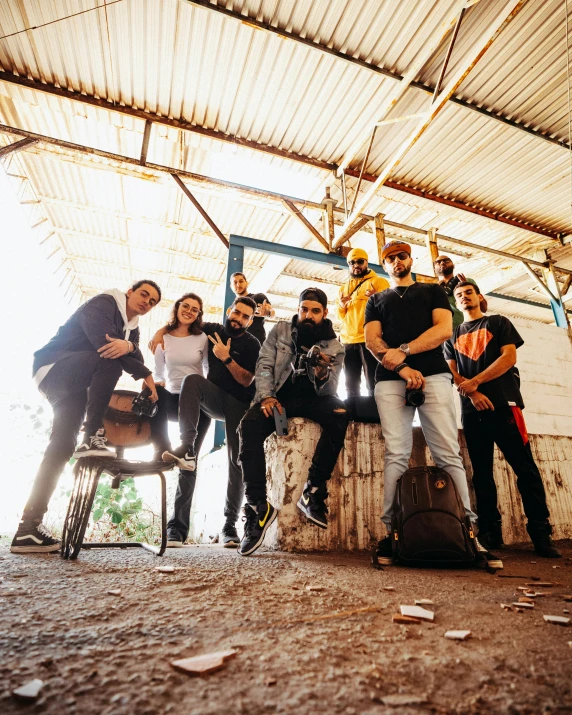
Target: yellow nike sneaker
257	520
312	504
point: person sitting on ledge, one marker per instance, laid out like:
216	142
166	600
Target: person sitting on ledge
482	355
297	375
77	372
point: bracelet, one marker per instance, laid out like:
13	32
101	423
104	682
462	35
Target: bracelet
400	367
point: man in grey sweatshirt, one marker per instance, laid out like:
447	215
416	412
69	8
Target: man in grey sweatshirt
77	371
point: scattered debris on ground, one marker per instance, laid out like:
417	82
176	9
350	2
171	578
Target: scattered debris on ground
102	632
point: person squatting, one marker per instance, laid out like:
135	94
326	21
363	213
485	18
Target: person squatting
412	340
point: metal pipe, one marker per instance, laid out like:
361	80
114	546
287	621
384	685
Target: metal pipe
448	55
200	209
364	162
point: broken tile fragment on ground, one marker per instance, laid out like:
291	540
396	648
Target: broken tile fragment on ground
204	664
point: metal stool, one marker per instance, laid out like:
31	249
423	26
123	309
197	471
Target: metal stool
87	472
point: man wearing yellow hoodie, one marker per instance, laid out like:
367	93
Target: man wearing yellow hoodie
352	299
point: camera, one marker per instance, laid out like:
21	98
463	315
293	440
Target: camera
143	406
309	361
414	398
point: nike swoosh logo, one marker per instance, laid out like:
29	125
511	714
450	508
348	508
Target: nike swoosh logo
29	536
305	499
261	522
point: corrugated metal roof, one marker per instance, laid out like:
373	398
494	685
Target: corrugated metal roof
186	62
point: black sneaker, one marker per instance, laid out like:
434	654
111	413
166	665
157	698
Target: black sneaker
313	506
184	456
545	547
384	552
229	536
489	560
174	541
257	520
33	539
490	540
94	446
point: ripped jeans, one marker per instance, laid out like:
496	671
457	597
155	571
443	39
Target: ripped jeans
329	412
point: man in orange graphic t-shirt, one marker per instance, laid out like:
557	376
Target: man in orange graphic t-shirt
482	358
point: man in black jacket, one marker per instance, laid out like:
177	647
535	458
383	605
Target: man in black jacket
77	372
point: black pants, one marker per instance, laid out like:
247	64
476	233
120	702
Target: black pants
198	396
482	431
168	404
168	411
77	386
358	358
255	428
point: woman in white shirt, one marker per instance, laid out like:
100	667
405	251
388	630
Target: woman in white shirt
185	353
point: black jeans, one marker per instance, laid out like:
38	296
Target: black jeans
168	403
482	431
168	411
77	386
358	358
199	396
329	412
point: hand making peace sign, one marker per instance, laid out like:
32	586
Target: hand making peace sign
220	349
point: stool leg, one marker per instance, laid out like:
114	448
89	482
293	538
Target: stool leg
163	514
85	485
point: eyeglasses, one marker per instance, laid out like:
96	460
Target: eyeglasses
401	255
357	262
188	309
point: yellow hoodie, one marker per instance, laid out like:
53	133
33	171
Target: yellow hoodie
352	315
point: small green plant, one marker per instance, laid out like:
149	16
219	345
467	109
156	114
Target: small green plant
121	514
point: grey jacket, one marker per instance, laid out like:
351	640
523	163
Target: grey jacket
276	361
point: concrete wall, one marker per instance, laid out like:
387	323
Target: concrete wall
356	487
545	364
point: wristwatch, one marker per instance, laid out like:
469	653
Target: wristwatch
227	361
404	347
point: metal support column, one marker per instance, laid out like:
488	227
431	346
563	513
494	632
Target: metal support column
235	264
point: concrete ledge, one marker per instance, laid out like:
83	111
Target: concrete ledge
356	487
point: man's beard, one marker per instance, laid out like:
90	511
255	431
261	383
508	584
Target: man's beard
402	272
231	331
308	333
446	273
359	271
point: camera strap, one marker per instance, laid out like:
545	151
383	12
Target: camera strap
358	285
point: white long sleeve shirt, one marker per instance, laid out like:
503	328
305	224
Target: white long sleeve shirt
181	357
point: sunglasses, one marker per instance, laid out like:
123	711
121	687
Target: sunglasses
443	260
402	255
357	262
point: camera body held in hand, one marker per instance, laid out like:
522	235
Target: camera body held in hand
142	404
309	361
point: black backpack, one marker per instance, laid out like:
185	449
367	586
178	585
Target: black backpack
429	526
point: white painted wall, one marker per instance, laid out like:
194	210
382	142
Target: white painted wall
545	364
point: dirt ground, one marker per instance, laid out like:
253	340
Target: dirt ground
99	653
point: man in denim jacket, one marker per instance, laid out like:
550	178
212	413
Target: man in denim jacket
292	378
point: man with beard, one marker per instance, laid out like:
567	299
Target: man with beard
224	395
239	285
405	329
445	272
289	380
353	295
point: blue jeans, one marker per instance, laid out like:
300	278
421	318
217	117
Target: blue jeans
439	425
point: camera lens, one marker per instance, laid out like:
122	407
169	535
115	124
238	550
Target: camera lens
414	398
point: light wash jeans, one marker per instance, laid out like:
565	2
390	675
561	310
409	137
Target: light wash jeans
439	424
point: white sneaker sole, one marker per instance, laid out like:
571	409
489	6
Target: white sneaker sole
108	454
231	544
168	457
174	544
35	549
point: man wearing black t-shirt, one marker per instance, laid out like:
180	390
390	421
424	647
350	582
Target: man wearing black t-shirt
482	355
224	395
239	285
405	327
